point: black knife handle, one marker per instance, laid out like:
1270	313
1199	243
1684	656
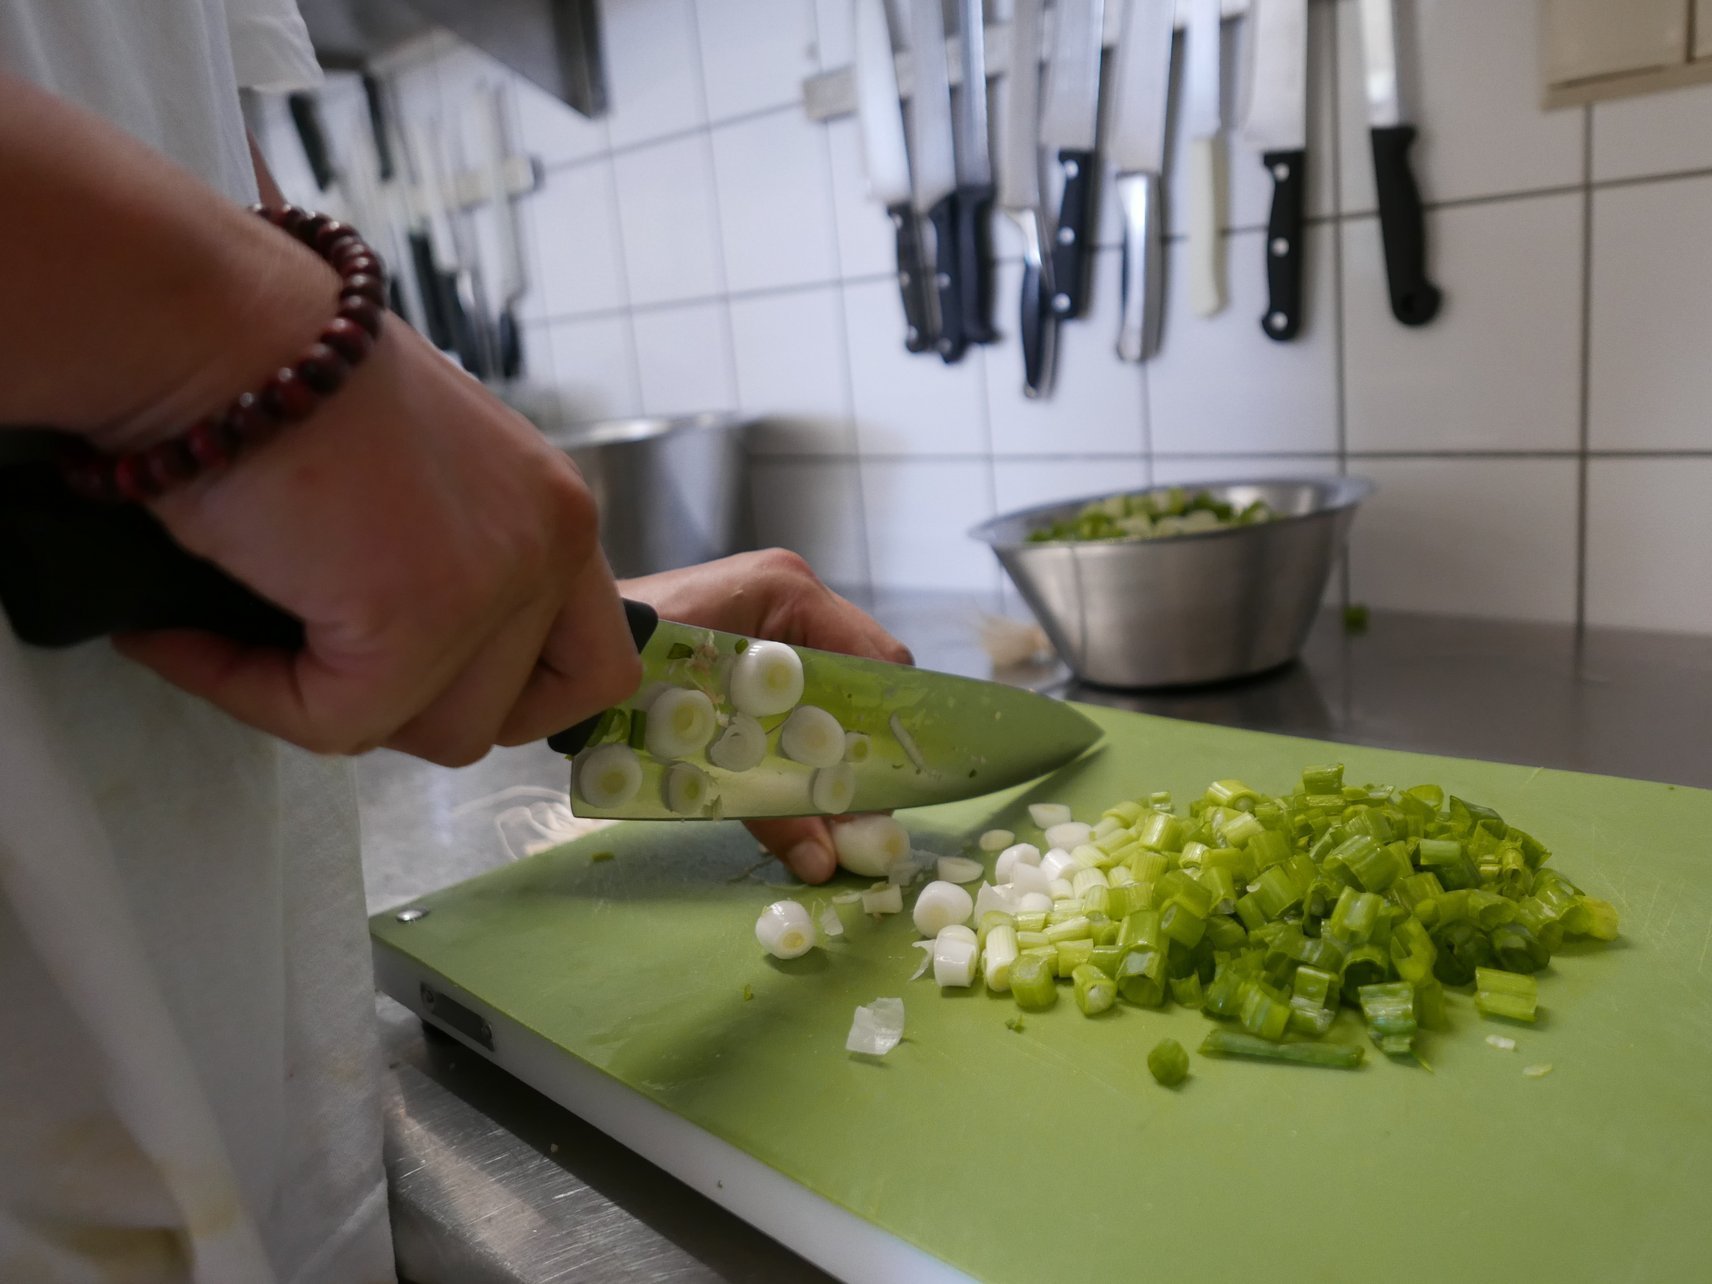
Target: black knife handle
948	278
912	278
974	205
306	116
643	620
431	288
1414	299
1069	242
375	97
1284	234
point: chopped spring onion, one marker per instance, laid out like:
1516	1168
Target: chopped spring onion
906	742
1059	863
1028	878
680	723
1501	1043
1034	902
1046	815
941	904
1168	1063
870	845
959	869
1152	515
996	840
1505	994
877	1028
609	776
857	747
689	789
883	898
1095	991
1224	1042
1033	983
830	923
767	679
988	898
1390	1013
998	956
812	736
784	930
1537	1072
1068	834
953	960
1012	856
926	948
741	746
833	789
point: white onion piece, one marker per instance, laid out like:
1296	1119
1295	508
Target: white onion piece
941	904
810	736
741	746
1502	1043
857	747
926	948
996	840
689	789
1537	1072
957	932
903	873
1072	833
1059	863
784	930
997	958
1062	889
882	898
1046	815
1107	825
877	1028
959	869
833	789
1034	903
767	679
609	776
680	723
830	922
1002	898
1012	856
1029	878
870	845
953	962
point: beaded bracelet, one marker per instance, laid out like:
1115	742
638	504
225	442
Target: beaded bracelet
291	394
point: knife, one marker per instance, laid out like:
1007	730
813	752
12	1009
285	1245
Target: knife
457	294
1275	125
931	154
1071	118
879	114
73	569
1138	149
974	180
929	737
1019	197
1414	299
1206	160
508	348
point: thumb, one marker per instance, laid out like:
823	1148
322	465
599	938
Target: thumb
804	843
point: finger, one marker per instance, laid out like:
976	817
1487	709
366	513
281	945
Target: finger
804	843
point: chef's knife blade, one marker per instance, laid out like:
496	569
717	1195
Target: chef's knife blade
1402	225
1019	196
1143	74
1206	159
932	737
1276	126
879	115
935	169
974	179
1069	124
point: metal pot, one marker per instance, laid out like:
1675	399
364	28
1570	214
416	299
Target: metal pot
670	490
1185	608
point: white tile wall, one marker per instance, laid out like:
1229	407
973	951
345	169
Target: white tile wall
704	246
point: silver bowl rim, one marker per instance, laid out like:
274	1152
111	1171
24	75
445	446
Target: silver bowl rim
1343	491
629	430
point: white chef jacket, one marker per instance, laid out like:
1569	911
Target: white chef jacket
188	1057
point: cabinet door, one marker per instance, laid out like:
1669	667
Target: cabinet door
1585	39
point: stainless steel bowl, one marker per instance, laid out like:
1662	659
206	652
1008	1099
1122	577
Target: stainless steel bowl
670	491
1184	608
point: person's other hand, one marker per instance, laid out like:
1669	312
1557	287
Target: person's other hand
773	594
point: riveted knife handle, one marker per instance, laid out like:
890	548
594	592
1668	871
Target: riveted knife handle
974	205
948	278
643	620
912	278
1143	267
1035	325
1284	233
1402	225
1069	244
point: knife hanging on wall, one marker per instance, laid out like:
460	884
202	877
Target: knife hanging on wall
1143	92
1069	124
1275	125
1402	225
1019	198
934	168
974	179
879	114
1207	163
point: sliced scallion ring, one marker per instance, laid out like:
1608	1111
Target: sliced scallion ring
833	789
767	679
784	930
857	747
609	776
741	746
812	737
680	723
689	789
871	845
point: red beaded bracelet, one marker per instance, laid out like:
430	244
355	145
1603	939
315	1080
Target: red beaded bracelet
291	394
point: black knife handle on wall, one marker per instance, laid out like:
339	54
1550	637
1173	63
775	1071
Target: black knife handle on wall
948	278
912	278
1414	299
974	205
643	620
1069	249
306	117
1284	233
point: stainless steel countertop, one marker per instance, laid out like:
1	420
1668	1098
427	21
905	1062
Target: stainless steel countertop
493	1182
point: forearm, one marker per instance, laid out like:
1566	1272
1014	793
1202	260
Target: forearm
137	298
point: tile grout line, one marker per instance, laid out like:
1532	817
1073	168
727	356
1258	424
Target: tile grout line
1340	331
1584	425
1215	457
724	281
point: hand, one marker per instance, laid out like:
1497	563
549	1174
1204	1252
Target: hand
774	595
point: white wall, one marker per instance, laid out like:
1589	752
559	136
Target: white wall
1544	449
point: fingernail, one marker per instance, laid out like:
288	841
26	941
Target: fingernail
811	860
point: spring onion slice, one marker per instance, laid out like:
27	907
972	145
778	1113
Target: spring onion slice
857	747
1538	1071
1012	856
1033	984
996	840
1505	994
812	737
741	746
784	930
883	898
1223	1042
926	948
1069	834
609	776
832	789
870	845
877	1028
941	904
1046	815
999	953
830	923
953	961
959	869
1095	991
689	789
1501	1043
1168	1063
766	679
680	723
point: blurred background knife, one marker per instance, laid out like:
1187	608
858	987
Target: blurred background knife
931	157
1019	197
1206	159
1276	126
1069	125
1414	299
1143	87
974	179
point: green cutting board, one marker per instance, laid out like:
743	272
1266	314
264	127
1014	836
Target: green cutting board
1050	1154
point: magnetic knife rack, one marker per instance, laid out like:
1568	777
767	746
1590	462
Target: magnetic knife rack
831	94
